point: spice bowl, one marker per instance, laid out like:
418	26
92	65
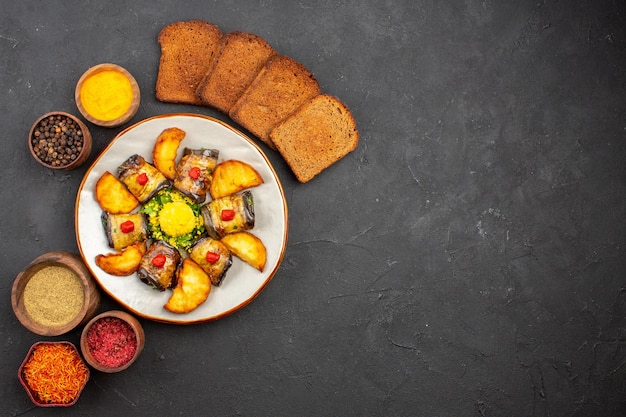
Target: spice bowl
107	95
53	374
54	294
59	140
112	341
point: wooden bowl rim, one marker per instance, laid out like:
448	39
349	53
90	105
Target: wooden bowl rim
132	109
65	259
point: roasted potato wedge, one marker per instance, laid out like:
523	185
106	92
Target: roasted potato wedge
113	196
232	176
122	263
192	288
165	151
247	247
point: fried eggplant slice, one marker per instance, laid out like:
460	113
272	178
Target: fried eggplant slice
213	257
232	176
247	247
113	196
195	171
124	229
141	178
158	265
165	151
233	213
192	288
122	263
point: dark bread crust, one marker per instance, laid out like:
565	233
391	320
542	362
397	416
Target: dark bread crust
188	50
280	87
274	97
241	56
315	136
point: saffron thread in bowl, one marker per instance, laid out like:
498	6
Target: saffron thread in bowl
55	373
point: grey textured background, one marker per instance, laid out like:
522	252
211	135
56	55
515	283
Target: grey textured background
468	259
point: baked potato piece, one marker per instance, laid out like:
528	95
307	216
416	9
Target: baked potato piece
165	151
232	176
158	265
213	257
113	196
122	263
248	248
124	229
192	288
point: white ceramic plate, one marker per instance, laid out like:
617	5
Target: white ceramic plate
242	282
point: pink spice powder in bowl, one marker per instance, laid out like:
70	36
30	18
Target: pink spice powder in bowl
112	341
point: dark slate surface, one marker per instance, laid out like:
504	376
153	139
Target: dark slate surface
466	260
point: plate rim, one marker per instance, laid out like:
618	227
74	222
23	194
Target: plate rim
225	313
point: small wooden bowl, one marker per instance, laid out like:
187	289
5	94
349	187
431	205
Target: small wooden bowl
34	395
39	149
90	293
103	94
99	321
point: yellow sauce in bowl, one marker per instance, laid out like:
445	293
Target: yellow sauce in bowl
106	94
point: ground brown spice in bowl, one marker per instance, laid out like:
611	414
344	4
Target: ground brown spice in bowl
53	296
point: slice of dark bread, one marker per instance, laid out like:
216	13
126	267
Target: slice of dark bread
240	58
280	87
315	136
188	50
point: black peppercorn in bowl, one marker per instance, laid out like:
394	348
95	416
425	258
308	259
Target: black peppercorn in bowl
59	140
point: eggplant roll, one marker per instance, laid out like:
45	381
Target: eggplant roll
213	257
195	171
141	178
158	265
123	230
234	213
